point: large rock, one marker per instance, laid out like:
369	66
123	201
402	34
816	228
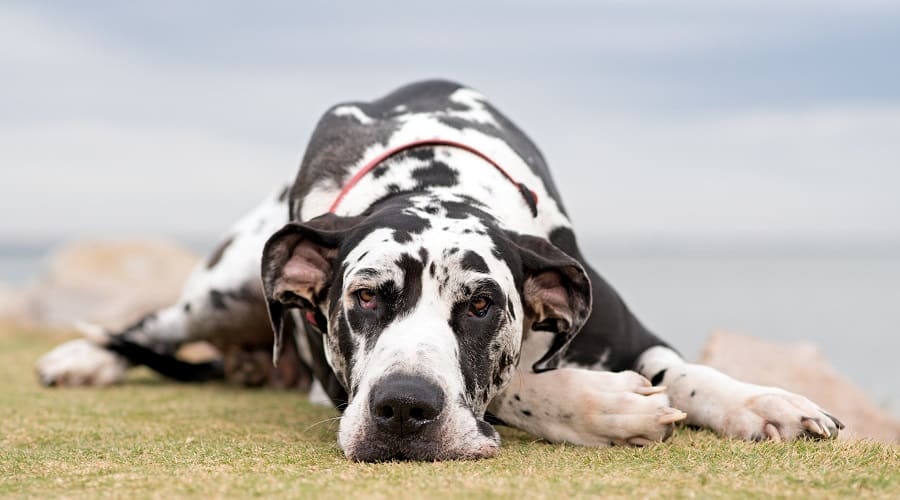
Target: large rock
801	368
108	283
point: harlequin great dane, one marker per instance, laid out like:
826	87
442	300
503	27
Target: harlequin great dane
424	265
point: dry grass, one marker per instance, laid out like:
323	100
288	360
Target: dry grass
152	438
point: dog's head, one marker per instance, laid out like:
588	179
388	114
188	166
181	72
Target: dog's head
425	301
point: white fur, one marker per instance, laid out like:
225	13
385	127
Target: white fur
353	111
584	407
318	396
734	408
81	362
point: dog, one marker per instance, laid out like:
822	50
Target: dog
424	266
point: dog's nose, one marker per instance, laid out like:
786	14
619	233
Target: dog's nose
403	405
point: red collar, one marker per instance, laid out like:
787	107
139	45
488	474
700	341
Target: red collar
529	195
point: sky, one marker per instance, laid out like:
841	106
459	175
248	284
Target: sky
698	120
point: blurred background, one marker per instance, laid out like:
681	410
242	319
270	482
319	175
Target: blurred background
727	165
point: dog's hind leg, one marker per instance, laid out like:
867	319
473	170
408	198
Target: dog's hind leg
221	303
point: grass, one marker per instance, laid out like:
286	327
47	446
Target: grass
153	438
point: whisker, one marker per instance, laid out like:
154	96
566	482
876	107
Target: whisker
322	422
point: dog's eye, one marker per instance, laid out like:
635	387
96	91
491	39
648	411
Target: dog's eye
366	298
479	306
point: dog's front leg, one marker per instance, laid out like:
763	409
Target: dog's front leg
587	408
731	407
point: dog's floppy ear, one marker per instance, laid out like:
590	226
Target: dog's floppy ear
298	266
556	294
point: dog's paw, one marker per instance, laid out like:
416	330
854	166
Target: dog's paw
778	415
634	419
625	409
81	362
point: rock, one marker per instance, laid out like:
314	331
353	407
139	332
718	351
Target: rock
801	368
108	283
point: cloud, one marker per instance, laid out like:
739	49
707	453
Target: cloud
106	133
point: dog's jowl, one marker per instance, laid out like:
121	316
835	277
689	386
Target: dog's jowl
424	266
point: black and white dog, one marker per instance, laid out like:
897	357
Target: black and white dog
424	265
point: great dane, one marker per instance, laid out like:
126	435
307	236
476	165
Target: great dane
424	265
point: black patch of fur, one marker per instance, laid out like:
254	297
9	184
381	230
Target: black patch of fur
438	174
218	252
475	336
164	363
658	378
393	302
471	261
379	171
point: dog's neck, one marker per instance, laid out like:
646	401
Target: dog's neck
429	176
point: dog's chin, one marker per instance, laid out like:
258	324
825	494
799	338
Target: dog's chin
484	442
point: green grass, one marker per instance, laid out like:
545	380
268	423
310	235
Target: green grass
152	438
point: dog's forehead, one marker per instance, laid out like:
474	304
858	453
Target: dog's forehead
445	232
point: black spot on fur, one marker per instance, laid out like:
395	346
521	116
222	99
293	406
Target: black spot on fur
187	307
217	299
527	413
423	255
431	269
471	261
362	256
693	392
516	397
423	153
658	378
510	308
504	365
438	174
412	283
379	171
219	251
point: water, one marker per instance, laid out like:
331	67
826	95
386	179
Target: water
848	306
17	270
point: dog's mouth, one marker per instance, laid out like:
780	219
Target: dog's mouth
431	447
